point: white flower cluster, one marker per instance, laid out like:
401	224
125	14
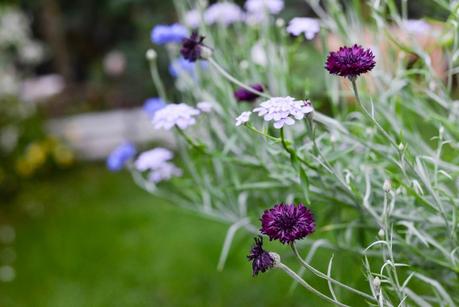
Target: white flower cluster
181	115
309	26
223	13
156	161
283	110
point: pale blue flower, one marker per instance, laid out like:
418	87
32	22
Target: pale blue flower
152	105
120	156
165	34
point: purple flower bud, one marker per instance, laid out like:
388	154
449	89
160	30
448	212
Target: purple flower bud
192	47
287	223
261	259
350	62
242	94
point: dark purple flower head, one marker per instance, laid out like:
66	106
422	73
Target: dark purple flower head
261	259
192	47
241	94
350	61
287	223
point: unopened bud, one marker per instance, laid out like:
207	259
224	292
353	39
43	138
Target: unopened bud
280	22
377	284
387	186
244	65
401	146
151	55
206	53
381	233
276	257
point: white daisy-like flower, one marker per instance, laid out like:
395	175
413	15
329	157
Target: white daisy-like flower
205	106
260	6
309	26
223	13
193	18
283	110
153	159
181	115
243	118
164	172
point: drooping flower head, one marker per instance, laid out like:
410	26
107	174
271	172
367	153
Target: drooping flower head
180	67
261	259
156	162
242	94
223	13
165	34
283	110
181	115
152	105
287	223
350	62
309	26
120	156
193	49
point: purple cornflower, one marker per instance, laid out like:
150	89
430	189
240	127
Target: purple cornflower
350	61
261	259
193	48
152	105
118	157
242	94
287	223
164	34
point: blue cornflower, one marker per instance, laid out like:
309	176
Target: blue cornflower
180	66
152	105
164	34
118	157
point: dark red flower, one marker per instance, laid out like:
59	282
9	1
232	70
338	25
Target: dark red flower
350	61
192	47
261	259
242	94
287	222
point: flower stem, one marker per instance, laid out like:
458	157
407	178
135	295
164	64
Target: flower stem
307	286
157	79
324	276
371	117
272	138
292	152
236	81
199	147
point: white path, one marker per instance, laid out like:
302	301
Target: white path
92	136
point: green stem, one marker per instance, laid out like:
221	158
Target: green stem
370	117
324	276
292	151
198	147
307	286
272	138
157	79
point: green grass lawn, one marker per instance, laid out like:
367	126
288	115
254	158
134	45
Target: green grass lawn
92	238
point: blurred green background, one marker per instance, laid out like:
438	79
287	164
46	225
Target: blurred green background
74	234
